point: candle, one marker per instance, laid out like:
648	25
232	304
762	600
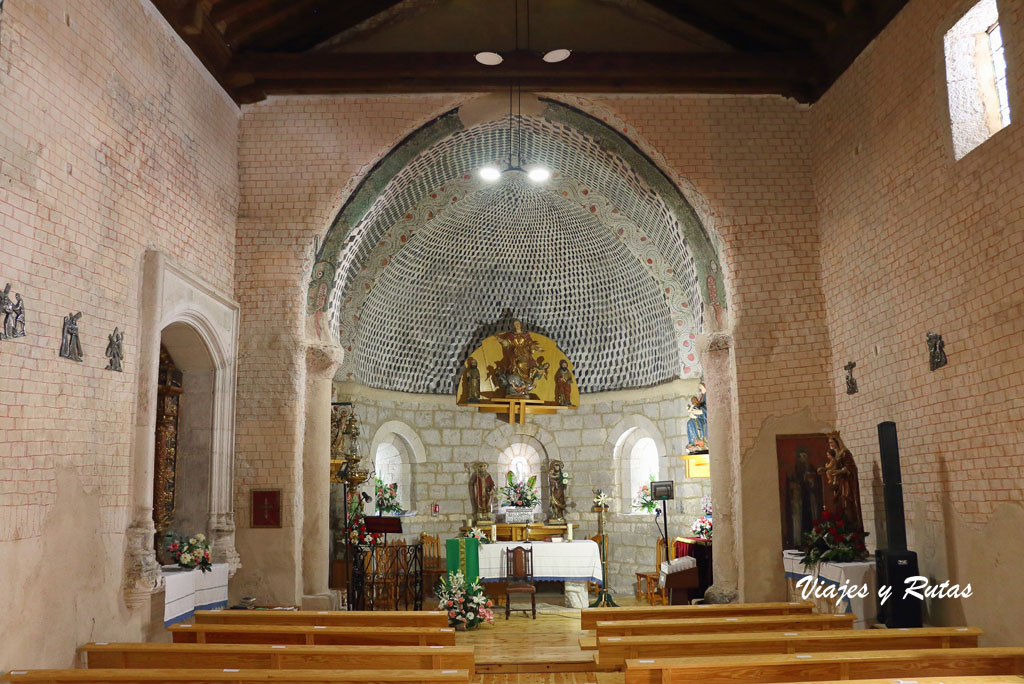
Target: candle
568	530
494	532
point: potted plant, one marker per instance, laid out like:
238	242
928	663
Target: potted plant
519	498
465	603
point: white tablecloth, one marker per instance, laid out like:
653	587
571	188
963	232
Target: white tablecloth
186	591
576	561
836	574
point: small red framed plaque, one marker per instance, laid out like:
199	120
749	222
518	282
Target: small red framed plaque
265	508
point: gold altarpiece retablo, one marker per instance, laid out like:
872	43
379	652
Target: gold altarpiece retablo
517	373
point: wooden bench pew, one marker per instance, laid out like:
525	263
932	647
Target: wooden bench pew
720	625
235	676
589	617
312	635
614	651
276	656
807	667
329	618
990	679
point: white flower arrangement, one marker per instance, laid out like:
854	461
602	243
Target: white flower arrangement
193	552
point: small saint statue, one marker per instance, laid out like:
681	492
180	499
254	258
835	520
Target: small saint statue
7	307
697	425
563	384
115	350
851	382
481	491
70	347
936	351
19	317
840	472
471	381
557	480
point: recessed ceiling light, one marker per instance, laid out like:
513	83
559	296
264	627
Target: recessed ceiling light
489	58
490	173
539	174
559	55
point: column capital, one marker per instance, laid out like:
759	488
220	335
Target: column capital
322	360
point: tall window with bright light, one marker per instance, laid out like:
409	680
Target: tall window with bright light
976	78
389	468
643	464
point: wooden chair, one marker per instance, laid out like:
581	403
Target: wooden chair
594	587
647	582
519	576
433	564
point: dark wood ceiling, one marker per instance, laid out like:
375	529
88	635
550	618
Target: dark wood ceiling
794	48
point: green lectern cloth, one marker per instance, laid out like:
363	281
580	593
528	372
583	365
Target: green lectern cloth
463	555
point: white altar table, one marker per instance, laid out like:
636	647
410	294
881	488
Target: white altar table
836	574
575	563
186	591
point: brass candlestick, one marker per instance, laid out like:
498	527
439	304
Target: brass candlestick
604	597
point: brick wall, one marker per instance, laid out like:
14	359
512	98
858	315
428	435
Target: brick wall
913	241
112	139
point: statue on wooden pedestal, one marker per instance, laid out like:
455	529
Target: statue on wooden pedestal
840	472
518	371
563	384
481	491
557	481
471	381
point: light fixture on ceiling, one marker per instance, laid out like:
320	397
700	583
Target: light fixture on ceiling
490	173
555	56
538	174
489	58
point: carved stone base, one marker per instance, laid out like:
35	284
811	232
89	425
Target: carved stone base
716	594
142	572
330	600
222	542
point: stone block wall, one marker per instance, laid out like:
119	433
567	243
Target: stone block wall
113	140
452	437
915	241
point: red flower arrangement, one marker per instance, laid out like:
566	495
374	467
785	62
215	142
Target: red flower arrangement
832	541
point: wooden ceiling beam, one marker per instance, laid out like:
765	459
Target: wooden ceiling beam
253	25
324	21
717	18
824	11
189	19
786	74
865	21
782	18
228	11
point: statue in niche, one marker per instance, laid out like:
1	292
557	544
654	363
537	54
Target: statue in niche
481	491
115	350
697	425
840	472
563	384
70	346
557	481
472	381
518	371
936	351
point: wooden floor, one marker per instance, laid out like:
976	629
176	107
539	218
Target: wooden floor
526	651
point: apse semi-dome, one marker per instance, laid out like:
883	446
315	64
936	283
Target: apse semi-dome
514	250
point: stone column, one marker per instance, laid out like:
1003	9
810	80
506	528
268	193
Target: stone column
321	364
723	448
142	572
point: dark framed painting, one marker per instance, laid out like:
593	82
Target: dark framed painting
265	508
802	490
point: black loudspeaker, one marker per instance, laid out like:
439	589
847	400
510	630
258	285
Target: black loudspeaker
893	568
892	487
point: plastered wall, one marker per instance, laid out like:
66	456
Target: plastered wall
112	139
912	242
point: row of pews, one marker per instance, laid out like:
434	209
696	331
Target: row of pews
287	647
783	642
